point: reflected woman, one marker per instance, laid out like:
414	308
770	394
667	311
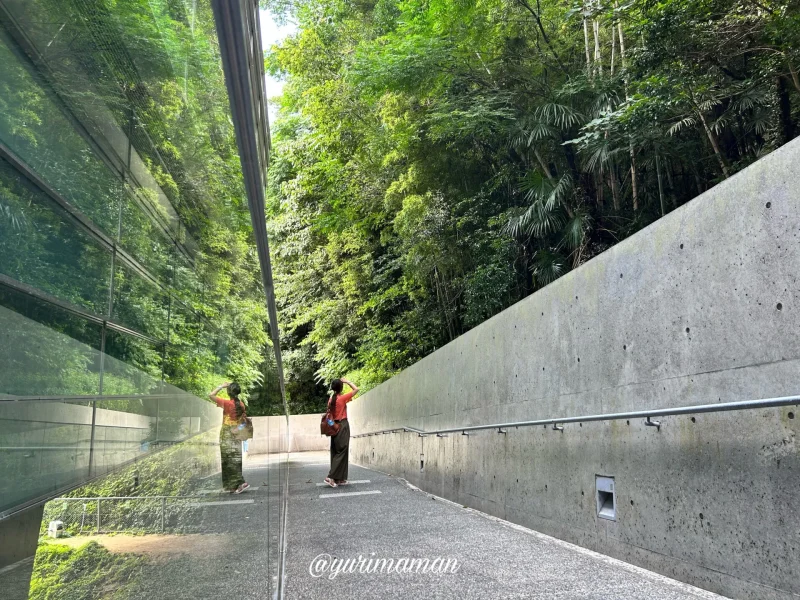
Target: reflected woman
340	443
230	449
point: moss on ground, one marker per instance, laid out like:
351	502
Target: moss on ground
85	573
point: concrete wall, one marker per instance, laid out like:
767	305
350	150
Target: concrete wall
45	446
700	307
19	536
269	435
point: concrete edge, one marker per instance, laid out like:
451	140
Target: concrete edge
604	558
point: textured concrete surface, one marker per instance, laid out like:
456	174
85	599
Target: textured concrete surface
18	536
269	435
494	558
698	308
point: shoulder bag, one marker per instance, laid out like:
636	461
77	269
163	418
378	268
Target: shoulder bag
328	426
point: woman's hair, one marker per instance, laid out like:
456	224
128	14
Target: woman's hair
234	389
336	386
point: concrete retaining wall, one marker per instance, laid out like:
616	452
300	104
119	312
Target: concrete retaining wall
269	435
700	307
45	446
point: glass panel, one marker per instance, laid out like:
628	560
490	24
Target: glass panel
54	28
78	80
185	281
44	447
146	242
139	304
41	246
47	446
36	129
44	350
132	365
191	364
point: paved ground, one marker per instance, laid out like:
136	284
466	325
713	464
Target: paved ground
395	521
15	579
230	550
236	549
385	530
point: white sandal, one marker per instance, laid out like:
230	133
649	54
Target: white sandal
331	482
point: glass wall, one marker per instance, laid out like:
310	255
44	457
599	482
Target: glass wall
128	290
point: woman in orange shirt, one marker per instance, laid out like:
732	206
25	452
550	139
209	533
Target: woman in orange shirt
230	449
340	443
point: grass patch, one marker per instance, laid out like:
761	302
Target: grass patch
85	573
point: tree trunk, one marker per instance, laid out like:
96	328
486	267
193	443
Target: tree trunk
586	45
660	185
785	106
543	165
613	47
634	185
621	41
598	59
612	178
671	185
443	301
697	181
598	184
714	144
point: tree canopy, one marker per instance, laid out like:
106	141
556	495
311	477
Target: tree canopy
435	161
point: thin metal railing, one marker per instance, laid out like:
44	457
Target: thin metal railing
559	422
95	397
100	502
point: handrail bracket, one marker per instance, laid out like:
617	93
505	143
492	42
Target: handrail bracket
656	424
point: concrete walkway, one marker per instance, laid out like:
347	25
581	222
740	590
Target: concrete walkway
385	518
376	538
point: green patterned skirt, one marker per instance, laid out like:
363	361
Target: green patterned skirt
230	451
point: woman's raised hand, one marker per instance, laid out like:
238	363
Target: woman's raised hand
350	383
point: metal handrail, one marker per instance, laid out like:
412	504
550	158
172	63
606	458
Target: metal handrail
94	398
637	414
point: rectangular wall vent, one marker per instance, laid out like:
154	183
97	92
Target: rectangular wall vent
606	498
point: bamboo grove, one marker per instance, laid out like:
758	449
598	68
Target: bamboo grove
435	161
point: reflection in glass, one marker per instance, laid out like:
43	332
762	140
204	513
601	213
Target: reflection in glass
146	241
39	246
139	303
119	110
45	350
35	128
132	365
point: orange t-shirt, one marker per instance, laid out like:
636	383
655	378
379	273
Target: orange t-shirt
341	405
229	410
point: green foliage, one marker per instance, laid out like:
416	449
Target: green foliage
64	573
436	161
150	69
